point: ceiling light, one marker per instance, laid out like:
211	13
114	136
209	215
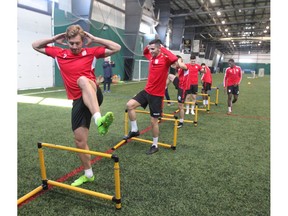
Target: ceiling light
218	13
223	22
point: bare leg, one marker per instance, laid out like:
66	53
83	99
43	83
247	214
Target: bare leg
229	101
81	138
88	88
131	106
235	98
181	110
155	127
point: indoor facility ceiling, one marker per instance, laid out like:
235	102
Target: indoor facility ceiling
230	25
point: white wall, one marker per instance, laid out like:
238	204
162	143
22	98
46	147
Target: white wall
34	70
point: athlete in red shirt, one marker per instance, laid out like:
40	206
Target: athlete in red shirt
160	60
76	66
180	82
206	80
193	83
232	80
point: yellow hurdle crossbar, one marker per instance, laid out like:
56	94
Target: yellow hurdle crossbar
45	182
196	109
175	131
216	97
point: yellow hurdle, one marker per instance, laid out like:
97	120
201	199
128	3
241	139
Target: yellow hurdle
207	109
216	97
195	109
45	182
172	146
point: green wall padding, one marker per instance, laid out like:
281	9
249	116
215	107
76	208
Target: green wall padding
61	19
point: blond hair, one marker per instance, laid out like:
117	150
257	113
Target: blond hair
74	30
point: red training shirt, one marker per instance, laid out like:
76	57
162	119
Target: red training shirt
73	66
207	76
183	76
193	73
158	71
232	76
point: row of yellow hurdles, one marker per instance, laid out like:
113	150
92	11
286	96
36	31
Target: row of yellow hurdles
116	198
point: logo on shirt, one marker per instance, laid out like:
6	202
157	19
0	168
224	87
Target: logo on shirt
84	53
64	55
156	61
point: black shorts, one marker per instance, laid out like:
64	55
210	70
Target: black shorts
172	71
233	90
176	82
181	96
193	89
155	103
80	115
206	86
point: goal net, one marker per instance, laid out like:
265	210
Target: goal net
140	71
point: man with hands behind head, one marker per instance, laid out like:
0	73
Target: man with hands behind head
76	65
160	60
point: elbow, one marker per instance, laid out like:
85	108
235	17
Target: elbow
34	46
117	48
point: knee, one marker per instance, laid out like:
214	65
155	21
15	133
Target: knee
130	105
81	144
82	81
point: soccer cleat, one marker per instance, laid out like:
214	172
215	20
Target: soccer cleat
192	112
152	150
132	134
180	124
104	123
82	179
229	113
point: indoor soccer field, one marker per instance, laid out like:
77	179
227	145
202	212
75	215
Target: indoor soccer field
219	167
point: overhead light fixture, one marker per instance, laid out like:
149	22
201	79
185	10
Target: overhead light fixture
223	22
218	13
202	36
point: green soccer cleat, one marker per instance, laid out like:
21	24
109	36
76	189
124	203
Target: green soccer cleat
104	123
82	179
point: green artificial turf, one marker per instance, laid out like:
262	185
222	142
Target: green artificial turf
221	167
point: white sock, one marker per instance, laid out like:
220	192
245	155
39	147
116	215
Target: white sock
155	142
229	109
96	116
134	126
181	120
192	108
187	107
206	102
88	173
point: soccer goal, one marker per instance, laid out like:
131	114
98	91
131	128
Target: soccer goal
261	72
140	71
